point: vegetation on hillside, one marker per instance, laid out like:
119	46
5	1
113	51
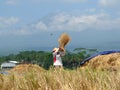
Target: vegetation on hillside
45	59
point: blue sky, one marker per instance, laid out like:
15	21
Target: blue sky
31	24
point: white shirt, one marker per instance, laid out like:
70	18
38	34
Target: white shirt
57	58
58	61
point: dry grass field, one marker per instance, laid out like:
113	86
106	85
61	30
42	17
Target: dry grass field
109	62
33	77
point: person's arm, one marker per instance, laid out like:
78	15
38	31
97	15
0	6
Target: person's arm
61	49
62	53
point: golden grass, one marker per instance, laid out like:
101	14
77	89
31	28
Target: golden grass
25	68
60	79
104	62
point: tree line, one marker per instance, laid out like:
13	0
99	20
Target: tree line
45	59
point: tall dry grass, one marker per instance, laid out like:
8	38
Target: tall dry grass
36	78
109	62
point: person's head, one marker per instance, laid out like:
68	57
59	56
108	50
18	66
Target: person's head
55	49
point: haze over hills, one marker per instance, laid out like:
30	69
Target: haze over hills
45	41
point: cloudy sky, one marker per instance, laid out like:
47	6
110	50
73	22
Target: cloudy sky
32	24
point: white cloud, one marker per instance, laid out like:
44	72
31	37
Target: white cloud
107	25
11	20
22	31
12	2
109	3
64	1
40	25
64	22
73	0
91	10
6	22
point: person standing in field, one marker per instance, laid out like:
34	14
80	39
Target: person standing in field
57	53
